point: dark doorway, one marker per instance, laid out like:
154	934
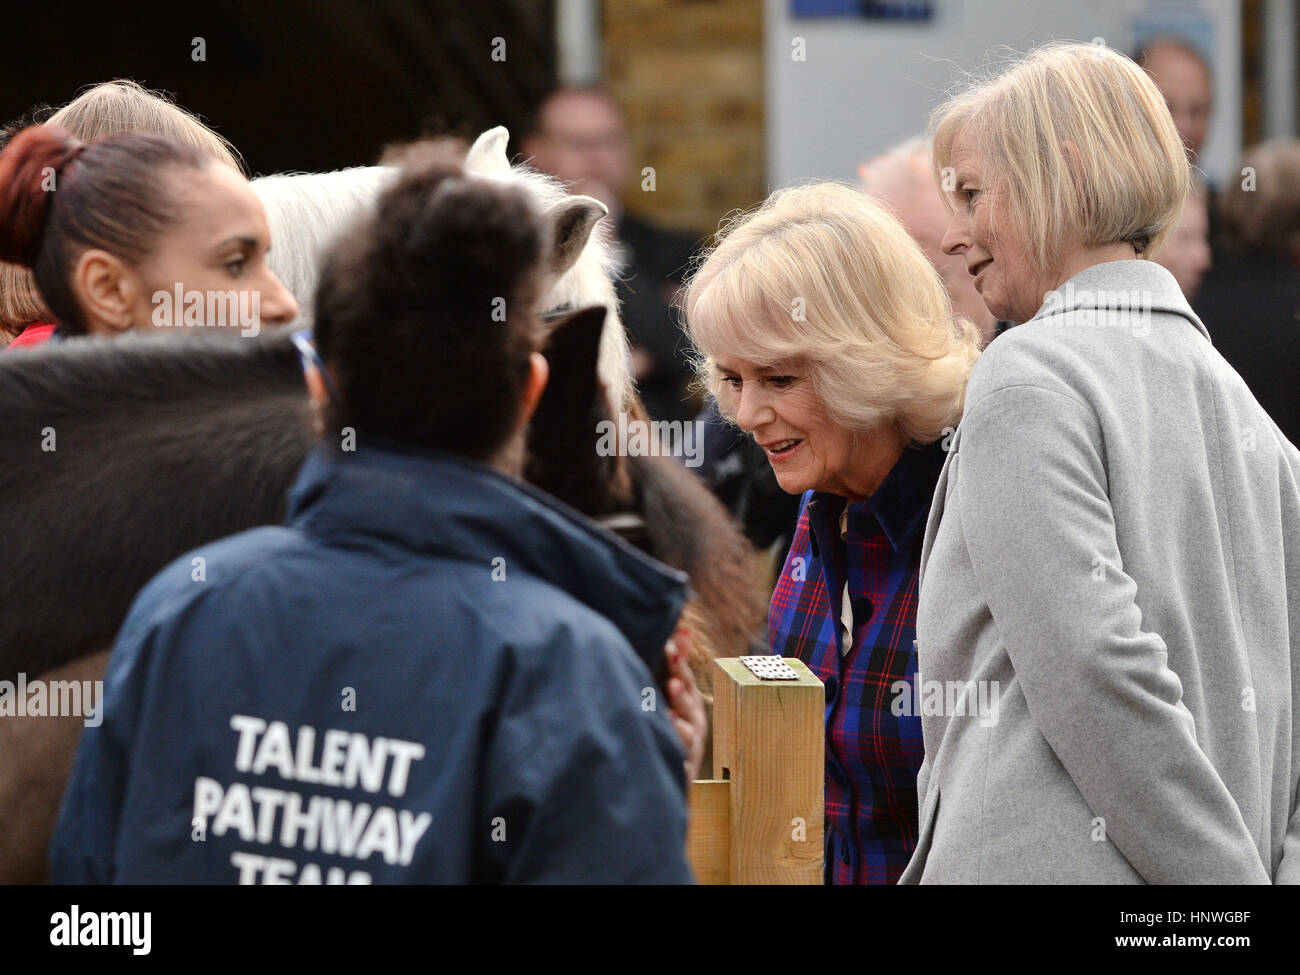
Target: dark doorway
296	84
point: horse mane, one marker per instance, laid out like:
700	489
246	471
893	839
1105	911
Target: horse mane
82	421
305	212
589	282
688	528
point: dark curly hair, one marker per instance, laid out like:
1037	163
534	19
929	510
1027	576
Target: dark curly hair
425	312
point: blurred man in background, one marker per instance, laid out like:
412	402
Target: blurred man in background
1183	76
580	135
903	179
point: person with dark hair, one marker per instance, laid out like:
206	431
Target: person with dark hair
1250	301
433	672
136	232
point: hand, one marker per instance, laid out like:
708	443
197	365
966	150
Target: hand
685	702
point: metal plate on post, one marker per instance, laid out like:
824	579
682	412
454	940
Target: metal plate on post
769	668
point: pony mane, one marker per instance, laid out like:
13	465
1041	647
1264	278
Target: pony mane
306	211
589	282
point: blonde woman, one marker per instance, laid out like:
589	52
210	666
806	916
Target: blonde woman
101	111
826	334
1116	535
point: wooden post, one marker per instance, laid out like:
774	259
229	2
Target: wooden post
708	838
769	761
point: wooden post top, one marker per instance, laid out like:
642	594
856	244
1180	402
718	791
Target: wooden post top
740	674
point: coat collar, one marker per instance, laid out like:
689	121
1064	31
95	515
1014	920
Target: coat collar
1119	284
434	503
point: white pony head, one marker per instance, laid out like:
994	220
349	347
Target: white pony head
305	211
582	254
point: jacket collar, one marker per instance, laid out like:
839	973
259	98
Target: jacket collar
900	505
439	504
1143	285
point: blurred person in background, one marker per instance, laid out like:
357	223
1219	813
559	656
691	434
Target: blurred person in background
1185	80
902	178
1250	301
102	110
1186	254
580	136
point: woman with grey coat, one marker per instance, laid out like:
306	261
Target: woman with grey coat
1110	579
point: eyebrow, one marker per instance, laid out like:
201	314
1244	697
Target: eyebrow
761	369
249	242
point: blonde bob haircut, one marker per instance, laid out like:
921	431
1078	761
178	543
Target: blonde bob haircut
97	113
825	277
1079	144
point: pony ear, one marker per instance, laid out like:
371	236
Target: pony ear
571	221
487	156
562	436
573	391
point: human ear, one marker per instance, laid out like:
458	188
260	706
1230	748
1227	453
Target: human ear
538	372
107	290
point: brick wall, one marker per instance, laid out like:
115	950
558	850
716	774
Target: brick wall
690	75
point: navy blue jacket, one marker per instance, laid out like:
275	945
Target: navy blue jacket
432	673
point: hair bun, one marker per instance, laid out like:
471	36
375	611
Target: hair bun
29	167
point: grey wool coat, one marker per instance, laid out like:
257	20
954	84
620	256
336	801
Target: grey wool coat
1109	616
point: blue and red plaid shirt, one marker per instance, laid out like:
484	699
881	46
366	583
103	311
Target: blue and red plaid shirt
872	754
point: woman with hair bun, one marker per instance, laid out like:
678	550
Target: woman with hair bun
136	232
99	112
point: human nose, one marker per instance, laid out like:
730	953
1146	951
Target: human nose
752	410
279	307
956	239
